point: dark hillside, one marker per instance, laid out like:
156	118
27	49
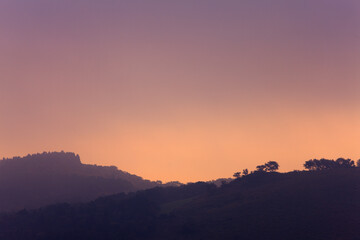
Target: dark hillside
296	205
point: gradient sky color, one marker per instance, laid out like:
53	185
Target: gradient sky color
181	90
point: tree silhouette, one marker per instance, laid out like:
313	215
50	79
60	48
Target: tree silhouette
237	175
271	166
261	168
324	164
345	163
310	165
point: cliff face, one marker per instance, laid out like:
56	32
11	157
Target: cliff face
41	179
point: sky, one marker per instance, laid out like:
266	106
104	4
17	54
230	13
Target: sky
181	90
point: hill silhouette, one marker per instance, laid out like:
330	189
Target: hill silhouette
261	205
47	178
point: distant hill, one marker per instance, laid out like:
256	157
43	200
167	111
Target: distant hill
311	205
220	181
47	178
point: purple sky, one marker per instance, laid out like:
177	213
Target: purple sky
181	90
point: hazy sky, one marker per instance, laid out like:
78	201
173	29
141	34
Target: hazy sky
181	90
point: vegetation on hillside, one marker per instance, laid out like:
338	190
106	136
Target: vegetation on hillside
318	204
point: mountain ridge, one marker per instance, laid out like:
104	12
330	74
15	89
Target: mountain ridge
50	177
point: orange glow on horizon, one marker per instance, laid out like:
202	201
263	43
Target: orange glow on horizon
183	91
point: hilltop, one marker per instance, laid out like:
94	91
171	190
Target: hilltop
41	179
